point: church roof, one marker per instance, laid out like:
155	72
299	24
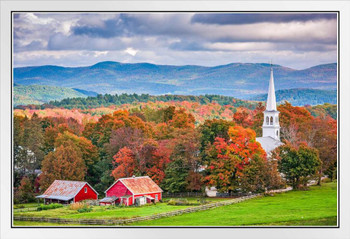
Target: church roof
268	143
271	97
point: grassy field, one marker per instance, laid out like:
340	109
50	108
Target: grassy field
318	206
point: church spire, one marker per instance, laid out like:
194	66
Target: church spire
271	126
271	97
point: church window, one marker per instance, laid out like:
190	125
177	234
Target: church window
277	133
267	120
271	120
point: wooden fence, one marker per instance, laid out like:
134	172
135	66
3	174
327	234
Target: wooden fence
203	194
183	194
135	219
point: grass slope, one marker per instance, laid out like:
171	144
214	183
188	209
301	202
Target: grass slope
314	207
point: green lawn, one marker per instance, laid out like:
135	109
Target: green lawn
318	206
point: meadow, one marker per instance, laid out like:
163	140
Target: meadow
317	206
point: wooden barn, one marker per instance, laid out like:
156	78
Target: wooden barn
134	190
65	192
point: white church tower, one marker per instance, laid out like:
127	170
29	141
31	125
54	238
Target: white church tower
271	126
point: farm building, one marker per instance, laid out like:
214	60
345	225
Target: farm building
63	191
134	190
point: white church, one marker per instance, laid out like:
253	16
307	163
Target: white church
271	128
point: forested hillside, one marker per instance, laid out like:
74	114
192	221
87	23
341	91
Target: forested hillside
108	100
40	94
301	97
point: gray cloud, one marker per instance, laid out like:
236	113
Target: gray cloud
244	18
174	38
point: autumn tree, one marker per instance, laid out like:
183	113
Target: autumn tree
209	131
25	192
182	173
258	119
232	157
65	163
88	151
28	142
243	117
295	123
298	164
125	161
325	141
260	175
182	119
149	159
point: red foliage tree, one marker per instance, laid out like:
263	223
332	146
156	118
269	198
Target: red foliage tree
125	161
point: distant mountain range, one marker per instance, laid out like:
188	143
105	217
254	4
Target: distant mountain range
301	97
241	80
39	94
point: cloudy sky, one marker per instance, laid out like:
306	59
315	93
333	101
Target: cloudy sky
80	39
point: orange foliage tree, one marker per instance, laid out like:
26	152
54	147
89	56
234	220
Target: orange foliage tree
232	158
65	163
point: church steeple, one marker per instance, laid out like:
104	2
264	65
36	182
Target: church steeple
271	97
271	126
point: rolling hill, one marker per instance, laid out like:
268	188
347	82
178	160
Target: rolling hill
241	80
39	94
301	97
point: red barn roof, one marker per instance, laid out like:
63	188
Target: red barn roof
64	190
139	185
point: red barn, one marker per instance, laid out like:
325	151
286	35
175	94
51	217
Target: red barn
62	191
134	190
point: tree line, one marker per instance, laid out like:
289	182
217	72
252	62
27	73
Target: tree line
108	100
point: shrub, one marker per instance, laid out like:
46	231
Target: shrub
76	206
80	207
49	206
85	209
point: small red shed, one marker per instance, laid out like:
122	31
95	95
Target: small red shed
63	191
134	190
